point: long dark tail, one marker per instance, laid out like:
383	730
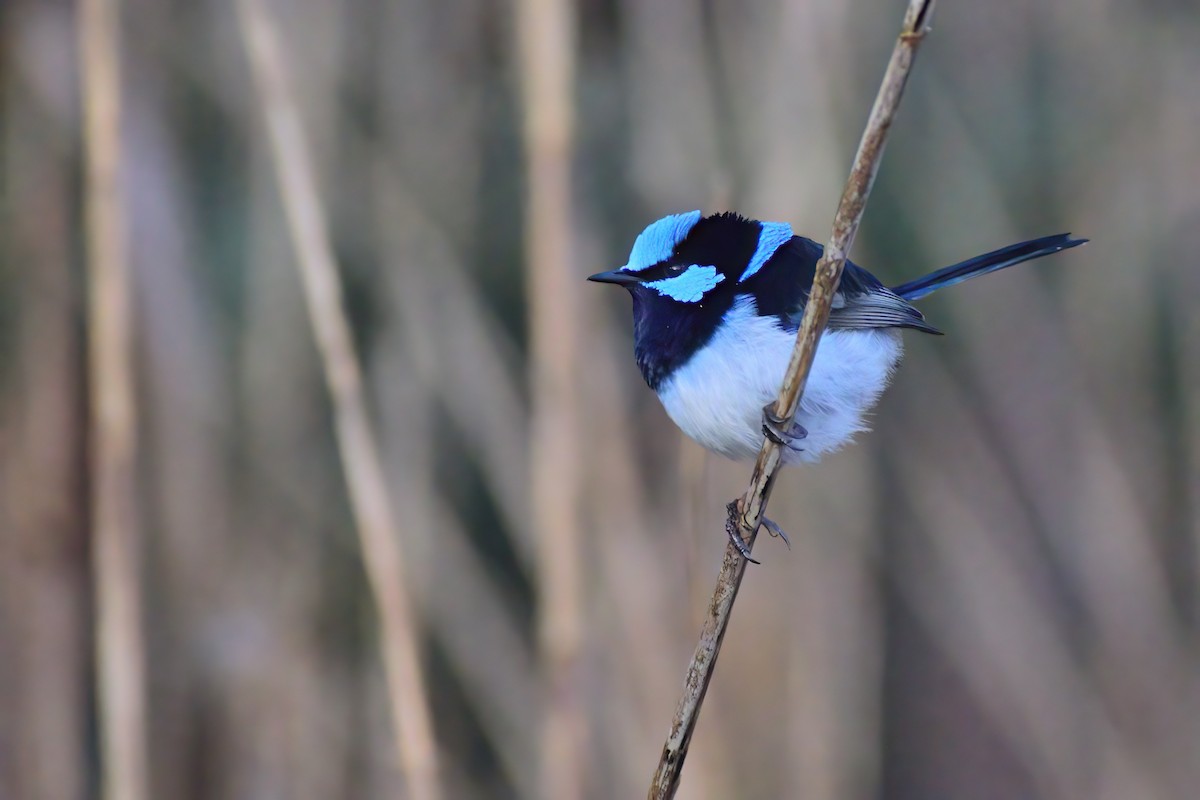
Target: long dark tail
988	262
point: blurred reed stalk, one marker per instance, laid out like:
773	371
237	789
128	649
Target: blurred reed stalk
357	443
120	650
545	44
745	517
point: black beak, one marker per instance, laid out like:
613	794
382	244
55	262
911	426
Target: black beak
616	276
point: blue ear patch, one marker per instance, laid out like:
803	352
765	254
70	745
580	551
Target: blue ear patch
773	236
689	287
658	240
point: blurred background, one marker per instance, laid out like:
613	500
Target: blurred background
993	595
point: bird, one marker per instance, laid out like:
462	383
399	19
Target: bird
717	302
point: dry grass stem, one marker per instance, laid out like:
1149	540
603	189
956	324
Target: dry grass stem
744	518
356	439
120	650
545	37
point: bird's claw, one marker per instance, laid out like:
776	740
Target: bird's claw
775	530
733	529
773	428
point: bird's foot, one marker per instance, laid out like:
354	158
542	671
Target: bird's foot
773	428
733	530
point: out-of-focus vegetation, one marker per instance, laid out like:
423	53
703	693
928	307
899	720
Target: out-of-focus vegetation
998	594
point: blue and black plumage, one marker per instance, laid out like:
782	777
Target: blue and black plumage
717	301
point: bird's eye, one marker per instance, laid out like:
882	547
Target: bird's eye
676	269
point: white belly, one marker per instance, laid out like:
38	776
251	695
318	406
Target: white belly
717	397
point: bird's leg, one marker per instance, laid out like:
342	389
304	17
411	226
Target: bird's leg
773	429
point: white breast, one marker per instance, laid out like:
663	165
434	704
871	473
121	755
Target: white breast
717	397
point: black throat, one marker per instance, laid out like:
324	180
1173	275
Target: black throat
667	334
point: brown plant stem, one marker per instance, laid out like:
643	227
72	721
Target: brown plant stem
120	649
744	516
545	35
357	442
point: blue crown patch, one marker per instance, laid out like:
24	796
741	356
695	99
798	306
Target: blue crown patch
659	239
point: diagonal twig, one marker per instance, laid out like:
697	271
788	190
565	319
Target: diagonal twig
744	516
357	442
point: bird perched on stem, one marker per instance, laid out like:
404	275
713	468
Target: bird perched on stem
717	302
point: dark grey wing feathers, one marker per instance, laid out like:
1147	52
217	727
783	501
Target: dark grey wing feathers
861	300
877	307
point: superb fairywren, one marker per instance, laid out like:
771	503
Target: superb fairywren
717	302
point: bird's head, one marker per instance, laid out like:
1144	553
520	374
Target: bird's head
685	272
690	261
